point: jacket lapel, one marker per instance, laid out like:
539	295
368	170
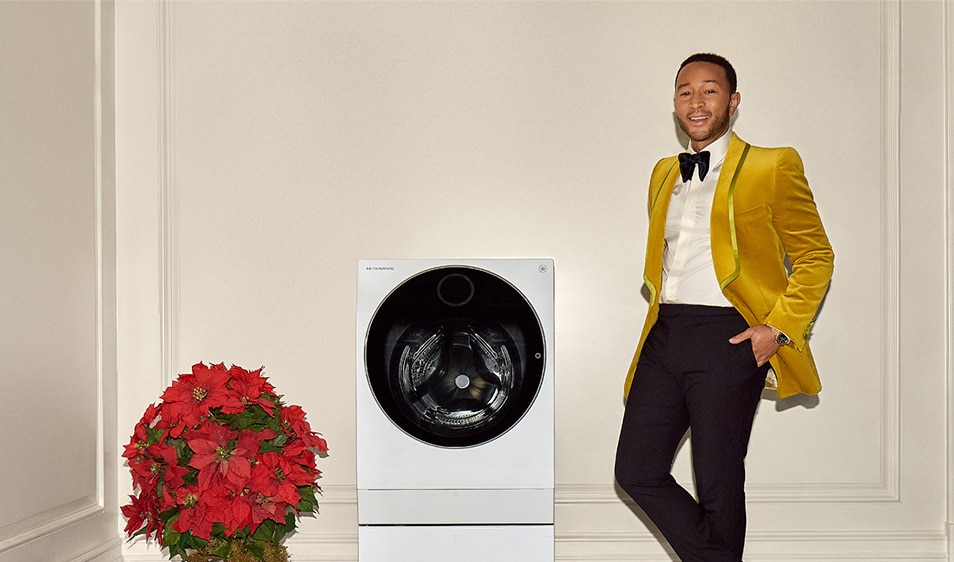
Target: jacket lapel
725	248
659	197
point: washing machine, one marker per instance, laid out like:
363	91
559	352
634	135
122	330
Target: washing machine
455	413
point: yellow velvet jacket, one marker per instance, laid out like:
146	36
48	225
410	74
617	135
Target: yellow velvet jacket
763	211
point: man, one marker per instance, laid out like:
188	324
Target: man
723	309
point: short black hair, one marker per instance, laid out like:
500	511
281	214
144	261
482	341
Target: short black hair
714	59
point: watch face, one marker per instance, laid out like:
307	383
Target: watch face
782	339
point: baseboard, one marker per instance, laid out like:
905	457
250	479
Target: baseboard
818	546
821	546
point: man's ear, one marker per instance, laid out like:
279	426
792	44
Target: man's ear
734	101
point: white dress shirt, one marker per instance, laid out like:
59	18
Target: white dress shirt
688	274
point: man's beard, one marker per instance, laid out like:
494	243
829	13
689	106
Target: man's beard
718	125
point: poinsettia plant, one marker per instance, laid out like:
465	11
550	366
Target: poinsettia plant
222	466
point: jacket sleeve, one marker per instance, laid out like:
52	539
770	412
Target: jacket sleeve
799	229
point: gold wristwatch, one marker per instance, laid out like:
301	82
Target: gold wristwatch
780	337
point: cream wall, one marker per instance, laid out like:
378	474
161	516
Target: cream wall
58	484
264	147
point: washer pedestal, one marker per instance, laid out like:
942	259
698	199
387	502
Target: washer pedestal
465	543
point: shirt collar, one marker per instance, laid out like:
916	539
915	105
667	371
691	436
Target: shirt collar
717	149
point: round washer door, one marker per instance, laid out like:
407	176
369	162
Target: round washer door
455	356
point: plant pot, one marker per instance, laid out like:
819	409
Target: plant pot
272	553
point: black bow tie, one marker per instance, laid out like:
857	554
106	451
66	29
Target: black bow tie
688	161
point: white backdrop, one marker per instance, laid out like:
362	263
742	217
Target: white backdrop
265	147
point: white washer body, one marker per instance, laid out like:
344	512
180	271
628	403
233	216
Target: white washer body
455	494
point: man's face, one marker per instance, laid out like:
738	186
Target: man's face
703	102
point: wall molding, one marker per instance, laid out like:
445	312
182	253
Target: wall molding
168	195
86	527
620	546
948	10
51	521
886	489
840	545
889	487
848	545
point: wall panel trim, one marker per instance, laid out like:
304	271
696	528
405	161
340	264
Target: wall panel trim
887	488
168	195
949	266
87	527
610	545
890	485
837	545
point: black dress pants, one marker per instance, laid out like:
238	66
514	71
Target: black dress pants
689	377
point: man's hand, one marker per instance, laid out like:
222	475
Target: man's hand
763	342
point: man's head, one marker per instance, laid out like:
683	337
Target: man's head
706	97
730	75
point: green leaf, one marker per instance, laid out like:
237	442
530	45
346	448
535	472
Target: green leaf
308	503
191	478
170	537
218	530
153	435
254	418
241	533
265	532
183	452
175	550
289	525
141	531
223	550
168	516
269	447
256	549
185	541
197	542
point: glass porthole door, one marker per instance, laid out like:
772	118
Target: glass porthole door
455	356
